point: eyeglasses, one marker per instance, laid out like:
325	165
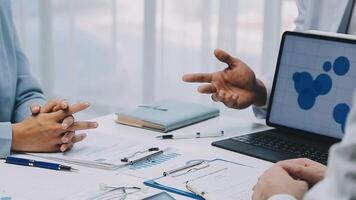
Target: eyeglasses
114	192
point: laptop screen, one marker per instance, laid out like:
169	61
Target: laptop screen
314	84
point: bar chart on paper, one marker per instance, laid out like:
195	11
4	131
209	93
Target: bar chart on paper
154	161
156	166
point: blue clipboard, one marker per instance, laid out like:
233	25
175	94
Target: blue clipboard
154	184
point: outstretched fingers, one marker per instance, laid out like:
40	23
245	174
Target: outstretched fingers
225	57
61	114
82	125
70	144
198	78
207	89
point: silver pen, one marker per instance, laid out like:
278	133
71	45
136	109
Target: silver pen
183	168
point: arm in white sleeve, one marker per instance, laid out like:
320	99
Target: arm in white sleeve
340	179
300	20
261	111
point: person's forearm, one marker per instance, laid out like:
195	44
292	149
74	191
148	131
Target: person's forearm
19	141
261	93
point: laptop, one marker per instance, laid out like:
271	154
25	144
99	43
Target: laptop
311	96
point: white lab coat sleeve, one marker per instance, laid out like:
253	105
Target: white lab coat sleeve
261	111
302	15
340	179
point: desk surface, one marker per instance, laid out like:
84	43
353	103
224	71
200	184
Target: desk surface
33	183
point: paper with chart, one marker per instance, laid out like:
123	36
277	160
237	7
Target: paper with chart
105	152
219	179
154	167
101	151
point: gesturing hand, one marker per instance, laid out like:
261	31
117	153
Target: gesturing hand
304	169
236	86
43	132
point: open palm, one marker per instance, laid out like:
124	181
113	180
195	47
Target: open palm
236	86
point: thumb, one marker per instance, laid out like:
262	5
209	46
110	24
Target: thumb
35	109
303	184
300	172
225	57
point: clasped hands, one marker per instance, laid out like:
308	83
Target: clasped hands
51	128
293	177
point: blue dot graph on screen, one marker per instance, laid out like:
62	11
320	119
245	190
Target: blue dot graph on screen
309	89
340	113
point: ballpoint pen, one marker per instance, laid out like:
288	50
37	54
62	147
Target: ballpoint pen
197	192
40	164
194	135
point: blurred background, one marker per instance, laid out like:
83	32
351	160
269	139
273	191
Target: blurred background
120	53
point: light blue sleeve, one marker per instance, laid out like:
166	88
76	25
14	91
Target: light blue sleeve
5	139
28	90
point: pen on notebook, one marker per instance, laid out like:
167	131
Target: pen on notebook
194	135
40	164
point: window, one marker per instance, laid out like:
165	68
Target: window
120	53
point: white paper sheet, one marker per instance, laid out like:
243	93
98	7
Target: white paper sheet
218	179
100	151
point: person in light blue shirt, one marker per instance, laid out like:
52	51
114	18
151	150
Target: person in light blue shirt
46	129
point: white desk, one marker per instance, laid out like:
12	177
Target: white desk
33	183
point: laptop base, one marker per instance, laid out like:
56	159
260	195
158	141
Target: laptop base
275	145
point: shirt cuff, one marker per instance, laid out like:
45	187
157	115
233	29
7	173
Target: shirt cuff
261	111
282	197
5	139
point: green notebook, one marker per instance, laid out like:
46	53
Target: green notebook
166	115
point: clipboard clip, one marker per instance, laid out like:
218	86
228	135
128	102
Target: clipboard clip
193	165
156	151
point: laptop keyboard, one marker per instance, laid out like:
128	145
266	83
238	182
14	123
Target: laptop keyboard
298	150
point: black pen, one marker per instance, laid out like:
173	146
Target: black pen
190	136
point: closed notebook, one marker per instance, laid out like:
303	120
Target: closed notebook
166	115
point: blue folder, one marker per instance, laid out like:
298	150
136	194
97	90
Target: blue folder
154	184
166	115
